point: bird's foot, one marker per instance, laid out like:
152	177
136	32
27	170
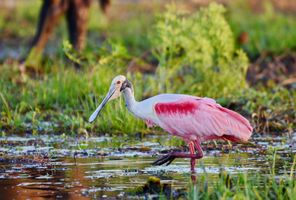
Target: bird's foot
167	159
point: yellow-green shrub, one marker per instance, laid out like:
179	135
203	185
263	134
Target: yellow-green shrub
196	53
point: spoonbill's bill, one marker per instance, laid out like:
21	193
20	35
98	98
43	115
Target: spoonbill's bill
194	119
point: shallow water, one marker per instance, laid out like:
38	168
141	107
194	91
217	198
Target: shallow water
44	166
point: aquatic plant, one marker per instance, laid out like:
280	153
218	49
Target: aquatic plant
243	186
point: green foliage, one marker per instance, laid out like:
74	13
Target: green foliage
247	185
269	30
243	186
14	21
268	107
66	97
196	52
196	56
70	52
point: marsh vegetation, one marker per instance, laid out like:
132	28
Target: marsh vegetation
216	51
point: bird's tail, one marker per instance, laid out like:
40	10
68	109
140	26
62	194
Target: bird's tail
243	128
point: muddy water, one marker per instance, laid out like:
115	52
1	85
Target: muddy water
44	166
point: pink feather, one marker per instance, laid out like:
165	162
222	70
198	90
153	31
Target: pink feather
202	119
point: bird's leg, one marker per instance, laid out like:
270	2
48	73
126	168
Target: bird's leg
171	156
192	152
198	151
198	148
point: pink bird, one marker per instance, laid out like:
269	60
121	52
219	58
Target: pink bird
194	119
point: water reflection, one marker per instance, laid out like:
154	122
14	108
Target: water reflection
22	176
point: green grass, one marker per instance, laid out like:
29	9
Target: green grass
19	22
244	186
248	185
268	31
208	66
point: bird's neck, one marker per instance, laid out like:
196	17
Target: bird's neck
130	100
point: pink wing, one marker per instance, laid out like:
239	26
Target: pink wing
203	119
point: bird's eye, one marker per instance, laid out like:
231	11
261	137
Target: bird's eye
118	82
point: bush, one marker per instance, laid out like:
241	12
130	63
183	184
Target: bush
196	53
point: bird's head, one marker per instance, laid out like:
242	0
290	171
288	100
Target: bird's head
118	85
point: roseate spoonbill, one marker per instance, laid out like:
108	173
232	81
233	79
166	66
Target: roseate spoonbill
194	119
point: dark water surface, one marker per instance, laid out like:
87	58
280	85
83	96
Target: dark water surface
45	167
